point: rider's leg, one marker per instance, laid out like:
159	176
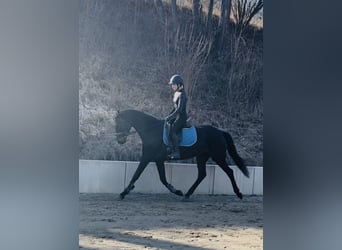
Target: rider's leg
175	129
175	144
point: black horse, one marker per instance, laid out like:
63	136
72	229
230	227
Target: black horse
211	142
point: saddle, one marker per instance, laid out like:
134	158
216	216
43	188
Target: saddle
187	137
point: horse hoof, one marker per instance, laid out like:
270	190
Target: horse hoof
239	195
178	192
122	196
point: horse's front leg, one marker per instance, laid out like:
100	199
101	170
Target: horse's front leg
143	163
161	171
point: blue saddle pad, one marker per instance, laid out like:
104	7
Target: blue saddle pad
188	138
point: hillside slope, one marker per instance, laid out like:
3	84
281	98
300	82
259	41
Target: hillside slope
127	55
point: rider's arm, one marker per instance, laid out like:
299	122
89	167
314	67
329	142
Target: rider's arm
173	109
181	107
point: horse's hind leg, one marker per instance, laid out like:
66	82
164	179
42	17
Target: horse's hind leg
224	165
161	171
201	161
135	177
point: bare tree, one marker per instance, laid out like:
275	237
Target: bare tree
189	55
225	13
244	10
210	17
196	14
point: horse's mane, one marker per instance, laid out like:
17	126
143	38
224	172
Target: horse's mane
136	114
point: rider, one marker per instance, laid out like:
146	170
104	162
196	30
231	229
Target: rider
178	116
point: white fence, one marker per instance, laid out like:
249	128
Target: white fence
114	176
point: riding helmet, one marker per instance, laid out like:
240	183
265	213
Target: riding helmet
176	79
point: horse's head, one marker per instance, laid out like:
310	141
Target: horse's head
122	128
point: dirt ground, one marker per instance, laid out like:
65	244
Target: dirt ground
164	221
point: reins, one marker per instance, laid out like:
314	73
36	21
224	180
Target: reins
131	132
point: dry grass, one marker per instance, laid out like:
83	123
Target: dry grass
126	59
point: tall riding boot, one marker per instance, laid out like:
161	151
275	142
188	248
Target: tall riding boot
175	143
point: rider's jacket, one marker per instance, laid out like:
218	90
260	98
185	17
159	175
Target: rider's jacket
179	109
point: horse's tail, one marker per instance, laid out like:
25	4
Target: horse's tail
234	154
